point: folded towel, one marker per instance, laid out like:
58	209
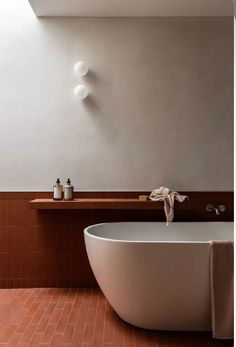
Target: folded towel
164	194
221	275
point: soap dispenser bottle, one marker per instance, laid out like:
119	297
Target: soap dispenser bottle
68	190
57	190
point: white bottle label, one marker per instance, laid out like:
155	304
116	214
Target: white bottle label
57	193
68	193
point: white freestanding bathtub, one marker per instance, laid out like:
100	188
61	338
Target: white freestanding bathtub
154	276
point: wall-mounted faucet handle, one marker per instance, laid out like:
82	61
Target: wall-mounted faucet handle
222	208
218	210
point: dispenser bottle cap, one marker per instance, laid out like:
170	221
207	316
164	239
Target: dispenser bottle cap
68	182
58	181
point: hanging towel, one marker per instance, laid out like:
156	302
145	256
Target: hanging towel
164	194
221	274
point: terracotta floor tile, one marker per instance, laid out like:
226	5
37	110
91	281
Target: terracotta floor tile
70	317
48	333
33	308
140	338
129	337
74	314
19	316
119	338
37	316
50	308
78	300
88	332
57	340
80	325
41	327
24	324
76	340
14	340
28	302
69	333
55	316
98	340
35	339
6	335
28	333
108	332
60	328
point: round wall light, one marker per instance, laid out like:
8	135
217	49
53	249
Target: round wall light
81	92
80	68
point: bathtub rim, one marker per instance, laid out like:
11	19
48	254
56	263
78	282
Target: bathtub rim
88	234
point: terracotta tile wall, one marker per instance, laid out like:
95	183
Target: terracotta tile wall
46	248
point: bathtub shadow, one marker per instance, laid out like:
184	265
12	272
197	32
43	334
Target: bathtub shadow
165	338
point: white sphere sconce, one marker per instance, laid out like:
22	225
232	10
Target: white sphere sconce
81	91
80	68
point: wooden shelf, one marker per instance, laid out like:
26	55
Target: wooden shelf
113	204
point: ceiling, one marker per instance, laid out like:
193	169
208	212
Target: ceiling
132	8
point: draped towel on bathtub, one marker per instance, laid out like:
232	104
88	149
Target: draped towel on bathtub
164	194
221	272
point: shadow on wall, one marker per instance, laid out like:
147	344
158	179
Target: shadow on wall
91	104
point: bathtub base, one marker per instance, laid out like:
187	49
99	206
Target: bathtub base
166	326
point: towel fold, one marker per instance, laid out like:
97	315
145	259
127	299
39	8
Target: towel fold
164	194
221	278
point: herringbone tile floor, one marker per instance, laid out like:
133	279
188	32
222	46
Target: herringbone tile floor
78	317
